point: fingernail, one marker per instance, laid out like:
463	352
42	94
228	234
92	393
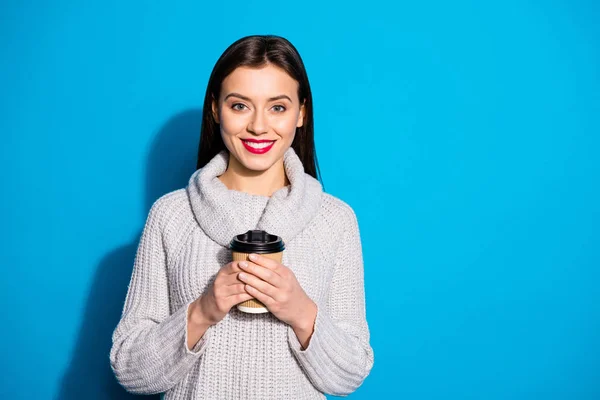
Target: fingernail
252	257
243	264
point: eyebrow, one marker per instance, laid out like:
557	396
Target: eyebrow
281	96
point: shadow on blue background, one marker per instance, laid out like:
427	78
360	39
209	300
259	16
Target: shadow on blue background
171	161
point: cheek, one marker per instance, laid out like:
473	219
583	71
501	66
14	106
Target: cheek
285	126
231	124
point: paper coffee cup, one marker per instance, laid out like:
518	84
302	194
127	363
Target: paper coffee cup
257	242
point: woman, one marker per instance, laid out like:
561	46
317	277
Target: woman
180	333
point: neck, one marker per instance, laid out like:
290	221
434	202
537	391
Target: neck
263	183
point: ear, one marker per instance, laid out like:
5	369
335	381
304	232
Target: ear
215	111
302	114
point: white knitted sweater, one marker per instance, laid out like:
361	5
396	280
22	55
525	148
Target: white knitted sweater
244	356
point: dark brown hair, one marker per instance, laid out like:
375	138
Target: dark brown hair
257	51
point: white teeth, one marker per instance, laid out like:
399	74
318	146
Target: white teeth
258	145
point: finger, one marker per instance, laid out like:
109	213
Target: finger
254	281
260	296
232	279
231	268
265	262
234	289
240	297
264	273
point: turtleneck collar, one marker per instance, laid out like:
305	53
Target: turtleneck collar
219	210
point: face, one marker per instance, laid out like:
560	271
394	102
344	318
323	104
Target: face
258	111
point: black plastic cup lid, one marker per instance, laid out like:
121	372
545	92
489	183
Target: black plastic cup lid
256	241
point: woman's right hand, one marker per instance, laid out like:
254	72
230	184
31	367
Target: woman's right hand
225	292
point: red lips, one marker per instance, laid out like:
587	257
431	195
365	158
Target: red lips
257	151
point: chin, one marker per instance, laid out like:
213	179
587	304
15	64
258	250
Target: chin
251	161
258	163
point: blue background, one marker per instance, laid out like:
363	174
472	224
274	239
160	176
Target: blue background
464	134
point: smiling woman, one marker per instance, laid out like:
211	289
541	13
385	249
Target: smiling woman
180	333
258	92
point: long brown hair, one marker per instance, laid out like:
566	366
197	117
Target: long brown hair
256	51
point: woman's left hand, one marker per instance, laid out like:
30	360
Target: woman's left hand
276	286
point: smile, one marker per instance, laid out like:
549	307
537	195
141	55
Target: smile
258	147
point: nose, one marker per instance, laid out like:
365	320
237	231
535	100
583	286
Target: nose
258	124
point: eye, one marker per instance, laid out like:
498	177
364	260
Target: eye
233	106
281	108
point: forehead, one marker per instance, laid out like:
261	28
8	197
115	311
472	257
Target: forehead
264	82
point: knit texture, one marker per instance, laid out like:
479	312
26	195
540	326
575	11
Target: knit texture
244	356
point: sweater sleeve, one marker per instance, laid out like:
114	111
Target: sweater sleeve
149	352
339	357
